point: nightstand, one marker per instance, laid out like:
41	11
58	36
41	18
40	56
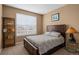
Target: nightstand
71	46
77	50
76	36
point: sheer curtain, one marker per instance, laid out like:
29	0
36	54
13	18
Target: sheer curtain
25	25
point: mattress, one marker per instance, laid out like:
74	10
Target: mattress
45	42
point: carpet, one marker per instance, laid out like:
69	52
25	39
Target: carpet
20	50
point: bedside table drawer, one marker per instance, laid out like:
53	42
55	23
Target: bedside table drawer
77	49
71	47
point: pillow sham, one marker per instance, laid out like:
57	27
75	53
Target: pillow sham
47	33
55	34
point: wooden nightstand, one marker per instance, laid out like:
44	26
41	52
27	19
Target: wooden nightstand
71	46
77	50
76	36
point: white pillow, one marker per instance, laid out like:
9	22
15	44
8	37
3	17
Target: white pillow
55	34
47	33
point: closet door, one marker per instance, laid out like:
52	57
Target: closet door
8	32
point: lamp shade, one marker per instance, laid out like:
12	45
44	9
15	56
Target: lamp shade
71	30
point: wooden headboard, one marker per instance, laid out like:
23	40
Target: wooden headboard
57	28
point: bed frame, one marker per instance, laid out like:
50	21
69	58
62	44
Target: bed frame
33	50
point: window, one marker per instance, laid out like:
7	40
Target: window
25	24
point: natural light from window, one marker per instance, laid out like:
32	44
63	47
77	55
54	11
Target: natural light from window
25	25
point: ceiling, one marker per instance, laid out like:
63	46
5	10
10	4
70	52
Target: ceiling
37	8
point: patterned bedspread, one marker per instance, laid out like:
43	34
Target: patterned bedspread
45	42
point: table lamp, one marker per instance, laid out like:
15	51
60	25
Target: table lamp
71	30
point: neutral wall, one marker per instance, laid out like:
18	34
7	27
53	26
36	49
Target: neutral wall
11	12
69	15
0	27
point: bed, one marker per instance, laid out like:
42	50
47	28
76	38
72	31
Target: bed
44	43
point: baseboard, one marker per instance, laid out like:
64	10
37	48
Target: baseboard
0	50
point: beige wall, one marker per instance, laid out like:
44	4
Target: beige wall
69	15
0	27
11	12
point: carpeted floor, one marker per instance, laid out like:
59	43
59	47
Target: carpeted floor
20	50
19	39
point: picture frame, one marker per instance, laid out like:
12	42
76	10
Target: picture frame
55	17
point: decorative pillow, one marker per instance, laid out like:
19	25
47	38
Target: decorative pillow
55	34
47	33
